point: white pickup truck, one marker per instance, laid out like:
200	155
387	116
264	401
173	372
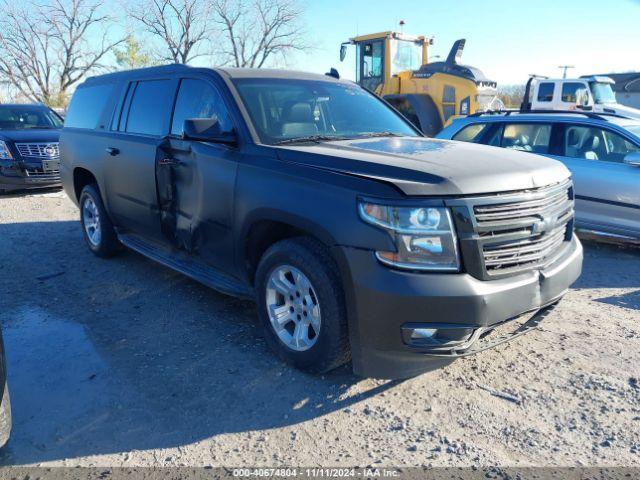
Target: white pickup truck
593	94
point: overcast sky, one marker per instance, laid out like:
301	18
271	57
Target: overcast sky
506	39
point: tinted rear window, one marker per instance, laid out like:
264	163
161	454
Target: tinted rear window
151	107
87	106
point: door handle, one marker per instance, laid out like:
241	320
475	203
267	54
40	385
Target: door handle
112	151
171	162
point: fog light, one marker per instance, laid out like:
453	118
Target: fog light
423	333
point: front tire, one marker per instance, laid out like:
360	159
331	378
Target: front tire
99	234
5	417
301	305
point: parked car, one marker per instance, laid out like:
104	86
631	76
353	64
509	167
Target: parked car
29	156
358	237
5	401
602	152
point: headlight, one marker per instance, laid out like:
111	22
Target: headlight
5	154
424	236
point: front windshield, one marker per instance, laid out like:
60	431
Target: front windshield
27	117
405	55
284	110
602	92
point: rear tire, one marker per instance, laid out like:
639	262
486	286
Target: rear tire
297	282
99	234
430	121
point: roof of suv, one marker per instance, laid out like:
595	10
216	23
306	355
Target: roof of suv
229	72
14	105
273	73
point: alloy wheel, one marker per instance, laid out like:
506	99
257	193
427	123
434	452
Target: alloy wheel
293	307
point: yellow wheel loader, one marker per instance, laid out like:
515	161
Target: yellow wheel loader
396	67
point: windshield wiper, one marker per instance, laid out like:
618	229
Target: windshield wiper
310	138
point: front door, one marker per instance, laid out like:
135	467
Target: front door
130	155
607	189
370	71
196	179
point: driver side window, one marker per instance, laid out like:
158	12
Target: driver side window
198	99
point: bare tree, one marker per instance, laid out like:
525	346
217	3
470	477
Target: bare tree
511	95
45	49
181	26
256	31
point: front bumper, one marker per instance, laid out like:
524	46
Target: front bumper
22	175
385	304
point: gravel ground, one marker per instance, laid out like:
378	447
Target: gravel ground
123	362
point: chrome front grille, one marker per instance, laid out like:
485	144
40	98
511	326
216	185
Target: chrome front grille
39	150
524	253
39	172
525	230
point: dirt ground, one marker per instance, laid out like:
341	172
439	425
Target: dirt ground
123	362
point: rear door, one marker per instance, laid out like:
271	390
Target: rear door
198	217
607	190
130	156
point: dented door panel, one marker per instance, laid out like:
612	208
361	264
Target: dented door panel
197	186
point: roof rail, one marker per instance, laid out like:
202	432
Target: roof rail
597	116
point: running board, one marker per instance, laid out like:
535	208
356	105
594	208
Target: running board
185	264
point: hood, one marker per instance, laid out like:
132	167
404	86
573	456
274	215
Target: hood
422	166
622	110
29	135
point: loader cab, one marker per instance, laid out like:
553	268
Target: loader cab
381	57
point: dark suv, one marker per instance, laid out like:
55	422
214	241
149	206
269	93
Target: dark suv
29	156
359	238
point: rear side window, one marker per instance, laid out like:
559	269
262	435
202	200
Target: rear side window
471	133
545	92
150	107
87	106
198	99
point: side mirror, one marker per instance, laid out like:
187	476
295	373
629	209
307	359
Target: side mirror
582	100
207	130
632	159
343	51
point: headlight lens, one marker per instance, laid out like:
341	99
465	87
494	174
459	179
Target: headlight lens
5	154
424	236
